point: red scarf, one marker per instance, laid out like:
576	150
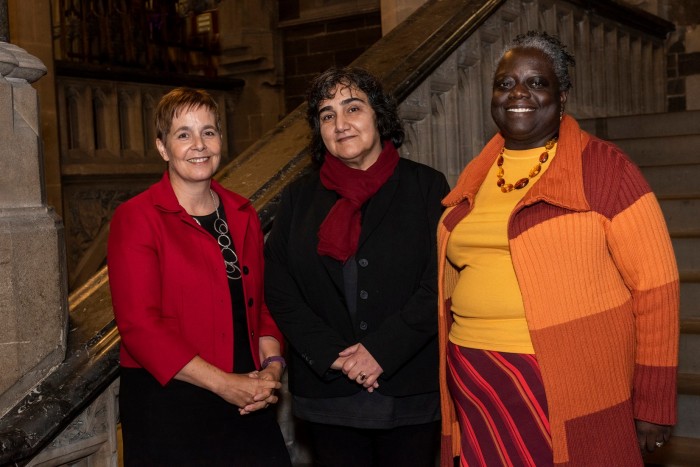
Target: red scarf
339	234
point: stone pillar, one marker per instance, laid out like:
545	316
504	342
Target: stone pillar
33	305
395	11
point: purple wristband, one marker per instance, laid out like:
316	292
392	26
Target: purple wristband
276	358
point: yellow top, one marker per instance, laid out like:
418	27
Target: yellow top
486	304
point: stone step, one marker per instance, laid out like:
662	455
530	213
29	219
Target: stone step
688	411
690	300
674	182
647	125
681	214
679	451
687	250
674	150
690	325
689	384
688	351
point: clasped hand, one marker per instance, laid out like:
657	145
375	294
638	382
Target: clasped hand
360	366
651	436
252	391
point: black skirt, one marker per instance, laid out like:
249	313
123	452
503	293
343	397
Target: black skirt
184	425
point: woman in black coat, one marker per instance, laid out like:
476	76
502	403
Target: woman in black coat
351	282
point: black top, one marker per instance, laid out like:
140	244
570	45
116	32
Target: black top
243	359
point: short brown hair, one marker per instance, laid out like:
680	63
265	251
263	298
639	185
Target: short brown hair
179	100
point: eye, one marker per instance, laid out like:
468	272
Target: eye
326	117
353	108
537	82
211	133
182	135
503	84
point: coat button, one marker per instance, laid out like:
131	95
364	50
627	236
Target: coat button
245	270
363	262
364	294
250	302
363	325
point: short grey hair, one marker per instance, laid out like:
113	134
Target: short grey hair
552	47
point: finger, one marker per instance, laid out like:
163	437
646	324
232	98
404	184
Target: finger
370	380
261	396
349	351
272	399
348	366
269	384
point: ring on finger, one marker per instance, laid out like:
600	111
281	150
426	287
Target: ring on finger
363	376
659	444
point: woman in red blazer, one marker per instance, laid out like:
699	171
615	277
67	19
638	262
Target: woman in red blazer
200	354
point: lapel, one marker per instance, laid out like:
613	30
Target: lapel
379	205
560	185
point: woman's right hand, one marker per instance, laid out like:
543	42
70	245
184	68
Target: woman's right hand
237	389
241	389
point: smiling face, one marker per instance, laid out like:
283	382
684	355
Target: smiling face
349	128
526	100
192	147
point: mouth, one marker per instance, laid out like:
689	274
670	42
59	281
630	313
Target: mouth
520	110
198	160
344	139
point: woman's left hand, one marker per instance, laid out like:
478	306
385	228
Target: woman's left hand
263	399
361	367
651	436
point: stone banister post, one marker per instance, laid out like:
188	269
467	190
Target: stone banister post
33	291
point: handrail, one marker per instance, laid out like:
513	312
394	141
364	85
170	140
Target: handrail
403	59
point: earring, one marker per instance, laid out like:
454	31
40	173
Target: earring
561	114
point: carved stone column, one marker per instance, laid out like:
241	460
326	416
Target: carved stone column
33	306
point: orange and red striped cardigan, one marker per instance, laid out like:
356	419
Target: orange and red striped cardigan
599	282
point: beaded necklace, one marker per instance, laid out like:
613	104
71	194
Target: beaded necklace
522	183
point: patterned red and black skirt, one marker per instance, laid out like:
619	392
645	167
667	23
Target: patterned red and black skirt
501	408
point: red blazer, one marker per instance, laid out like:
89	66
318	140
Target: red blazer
168	281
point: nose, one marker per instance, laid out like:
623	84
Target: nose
340	123
519	91
198	143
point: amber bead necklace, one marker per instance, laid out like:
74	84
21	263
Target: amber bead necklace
522	183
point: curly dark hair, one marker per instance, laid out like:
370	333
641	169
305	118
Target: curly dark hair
552	47
323	87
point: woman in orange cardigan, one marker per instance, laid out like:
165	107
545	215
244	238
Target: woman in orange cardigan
558	288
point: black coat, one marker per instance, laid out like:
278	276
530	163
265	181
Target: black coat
396	317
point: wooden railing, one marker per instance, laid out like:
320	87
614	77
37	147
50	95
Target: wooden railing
438	63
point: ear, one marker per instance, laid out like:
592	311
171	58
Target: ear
162	151
563	95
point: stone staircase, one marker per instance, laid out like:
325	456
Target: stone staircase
667	148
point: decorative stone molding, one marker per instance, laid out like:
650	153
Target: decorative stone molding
16	63
91	439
